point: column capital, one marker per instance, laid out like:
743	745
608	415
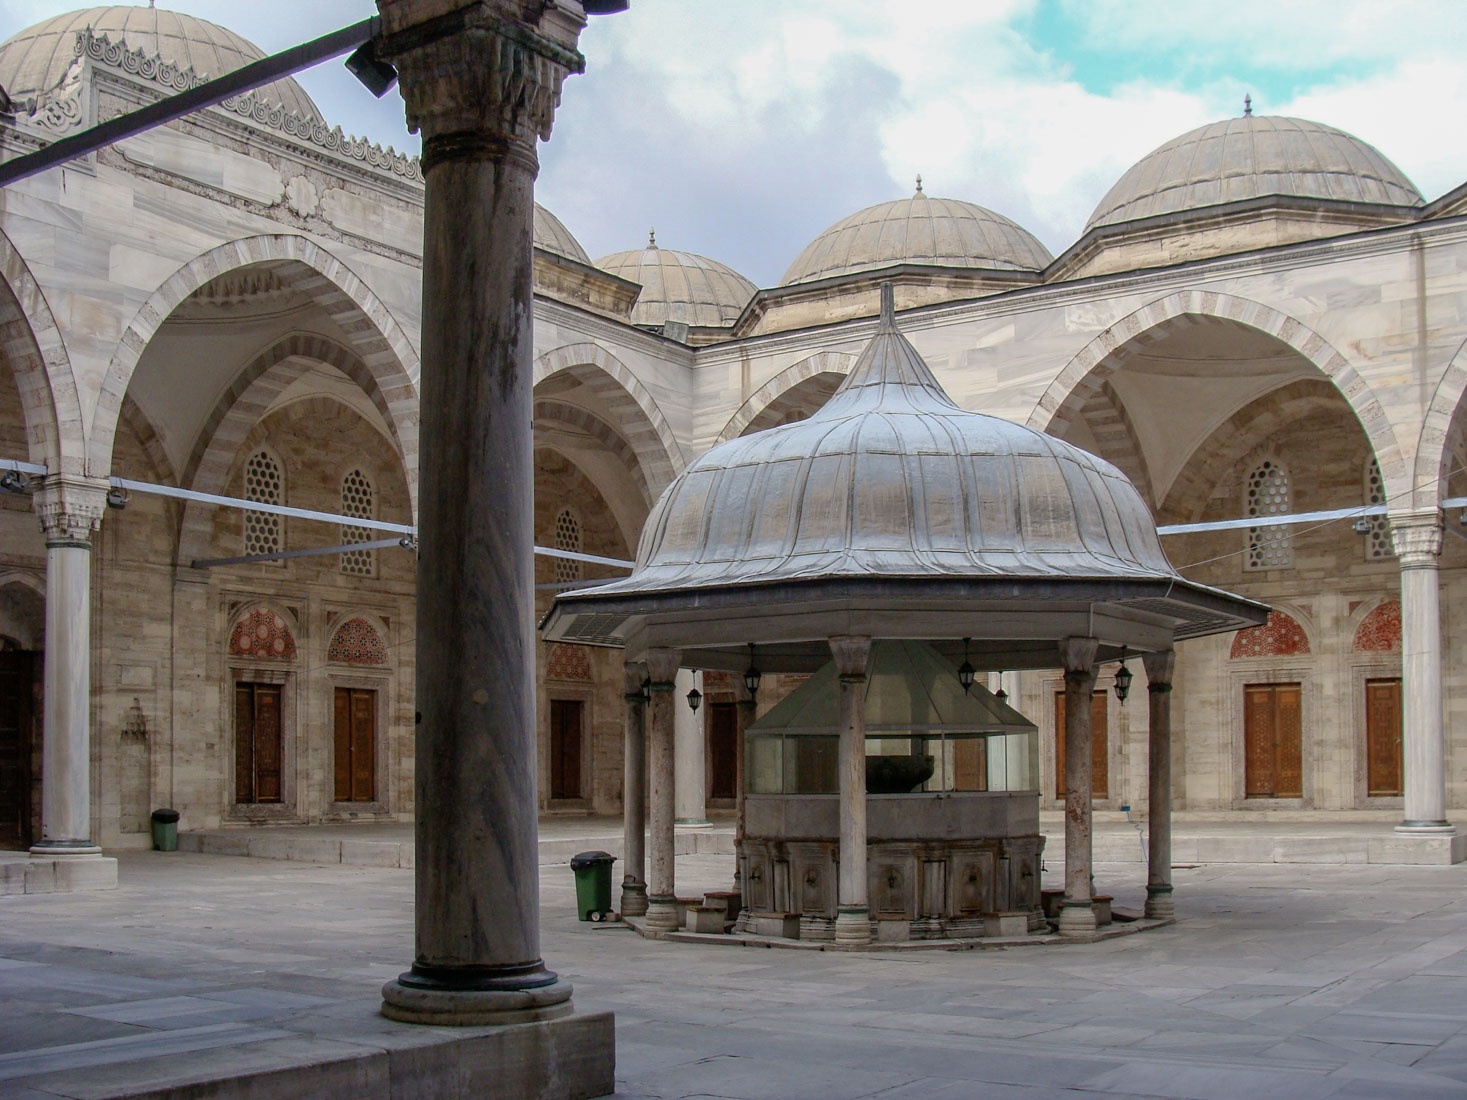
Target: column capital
852	653
662	666
477	69
1159	669
70	508
1078	654
1416	537
633	673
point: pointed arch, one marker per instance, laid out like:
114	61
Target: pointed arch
825	362
32	344
1095	363
626	400
376	338
1434	447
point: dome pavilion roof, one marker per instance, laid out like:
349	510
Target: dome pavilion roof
919	230
552	235
37	59
680	286
1251	157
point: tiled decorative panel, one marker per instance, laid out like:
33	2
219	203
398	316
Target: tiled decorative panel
356	642
1380	631
1281	636
263	635
568	662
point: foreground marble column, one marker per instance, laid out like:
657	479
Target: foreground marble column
661	772
634	795
1077	914
853	911
1159	669
481	85
70	510
1417	540
690	753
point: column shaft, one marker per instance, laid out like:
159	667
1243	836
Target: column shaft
690	750
1159	669
634	796
852	922
662	877
1077	915
1417	539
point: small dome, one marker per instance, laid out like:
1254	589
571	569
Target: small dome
1249	157
37	59
552	235
892	479
919	230
680	286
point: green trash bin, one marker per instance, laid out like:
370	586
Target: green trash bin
165	830
593	884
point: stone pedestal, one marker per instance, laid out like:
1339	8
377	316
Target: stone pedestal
1417	540
1077	917
481	81
1159	669
852	917
70	510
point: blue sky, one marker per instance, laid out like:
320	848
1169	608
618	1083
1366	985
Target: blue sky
742	129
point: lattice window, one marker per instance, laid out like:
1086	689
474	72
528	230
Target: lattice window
1378	540
567	537
1267	494
357	500
264	482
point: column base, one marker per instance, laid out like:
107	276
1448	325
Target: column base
475	997
853	925
1076	917
661	913
1437	828
1159	904
693	823
65	849
633	899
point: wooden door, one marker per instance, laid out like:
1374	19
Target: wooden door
1099	745
1383	737
565	748
1273	740
722	749
356	745
257	746
16	688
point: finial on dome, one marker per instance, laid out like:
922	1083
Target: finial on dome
919	183
652	237
1247	106
888	304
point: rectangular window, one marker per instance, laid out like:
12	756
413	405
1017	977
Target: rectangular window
565	748
1273	737
257	743
722	750
356	745
1099	746
1383	737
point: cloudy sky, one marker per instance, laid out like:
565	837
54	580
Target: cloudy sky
742	128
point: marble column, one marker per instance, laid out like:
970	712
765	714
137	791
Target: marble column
690	754
634	795
1417	540
746	709
480	80
70	510
1077	914
661	771
1159	669
853	911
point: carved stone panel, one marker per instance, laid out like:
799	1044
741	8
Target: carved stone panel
893	881
813	879
971	875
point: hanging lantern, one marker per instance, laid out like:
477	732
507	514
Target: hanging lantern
1123	678
1000	694
646	689
966	670
695	697
751	674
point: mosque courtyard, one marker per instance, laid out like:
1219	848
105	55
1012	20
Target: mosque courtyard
1278	981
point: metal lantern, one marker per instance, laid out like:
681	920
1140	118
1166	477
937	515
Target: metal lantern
1000	694
1123	678
695	697
646	689
966	670
751	674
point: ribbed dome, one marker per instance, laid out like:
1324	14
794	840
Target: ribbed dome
1249	157
37	59
892	479
919	230
552	235
680	286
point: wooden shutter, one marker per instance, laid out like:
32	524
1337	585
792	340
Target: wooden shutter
1383	737
1099	745
341	785
363	745
15	749
267	743
1273	741
1289	727
244	742
722	749
565	748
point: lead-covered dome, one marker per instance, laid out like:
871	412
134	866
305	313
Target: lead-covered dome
552	235
680	286
919	230
38	59
1252	157
892	479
